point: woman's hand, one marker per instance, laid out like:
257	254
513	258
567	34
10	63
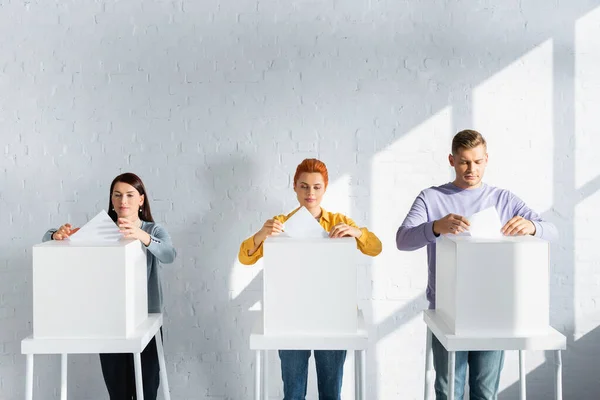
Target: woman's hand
342	230
271	228
64	232
130	231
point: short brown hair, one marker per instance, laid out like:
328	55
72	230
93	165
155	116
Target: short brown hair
467	139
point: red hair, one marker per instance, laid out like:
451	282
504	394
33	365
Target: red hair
312	165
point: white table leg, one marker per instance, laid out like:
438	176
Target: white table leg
522	375
428	366
451	369
139	383
163	366
558	365
363	375
357	375
63	377
265	370
29	378
257	376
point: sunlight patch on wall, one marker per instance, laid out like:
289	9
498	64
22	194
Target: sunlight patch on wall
587	272
337	197
587	171
241	276
587	97
416	160
514	112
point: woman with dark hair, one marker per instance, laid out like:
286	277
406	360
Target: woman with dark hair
130	209
310	184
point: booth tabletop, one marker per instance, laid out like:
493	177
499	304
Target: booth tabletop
357	341
553	340
132	344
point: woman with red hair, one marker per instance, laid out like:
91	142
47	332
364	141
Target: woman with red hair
310	184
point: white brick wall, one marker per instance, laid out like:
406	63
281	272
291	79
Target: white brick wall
215	102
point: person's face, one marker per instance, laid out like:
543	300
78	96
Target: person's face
310	189
469	165
126	200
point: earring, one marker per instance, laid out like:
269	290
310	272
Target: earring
140	209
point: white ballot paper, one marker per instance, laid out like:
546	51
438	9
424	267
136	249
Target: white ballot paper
485	224
101	228
303	225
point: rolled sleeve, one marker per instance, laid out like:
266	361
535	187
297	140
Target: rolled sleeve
245	248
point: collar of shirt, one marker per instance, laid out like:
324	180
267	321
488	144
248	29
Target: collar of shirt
325	216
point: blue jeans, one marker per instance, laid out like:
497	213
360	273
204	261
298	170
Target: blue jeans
294	373
484	372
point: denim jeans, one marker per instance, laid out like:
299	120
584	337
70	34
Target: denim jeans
294	373
484	372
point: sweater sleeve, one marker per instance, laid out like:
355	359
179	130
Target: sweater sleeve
48	235
543	229
161	245
416	231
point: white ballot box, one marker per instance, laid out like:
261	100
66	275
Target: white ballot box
493	286
84	290
310	286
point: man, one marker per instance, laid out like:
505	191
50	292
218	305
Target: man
441	210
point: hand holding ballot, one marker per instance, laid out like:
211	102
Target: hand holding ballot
131	230
272	227
483	224
451	223
344	230
487	224
101	228
518	226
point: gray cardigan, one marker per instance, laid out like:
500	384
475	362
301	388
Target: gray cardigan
160	250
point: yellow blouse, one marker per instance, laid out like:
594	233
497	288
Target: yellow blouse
368	243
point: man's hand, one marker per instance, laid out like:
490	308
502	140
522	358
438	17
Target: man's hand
518	226
451	223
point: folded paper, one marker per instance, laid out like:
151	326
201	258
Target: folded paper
101	228
303	225
485	224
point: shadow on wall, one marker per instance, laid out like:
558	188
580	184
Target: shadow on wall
208	332
580	360
581	373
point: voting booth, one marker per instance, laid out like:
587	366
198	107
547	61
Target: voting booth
493	286
88	287
309	280
87	290
310	286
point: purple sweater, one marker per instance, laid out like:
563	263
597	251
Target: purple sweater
436	202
